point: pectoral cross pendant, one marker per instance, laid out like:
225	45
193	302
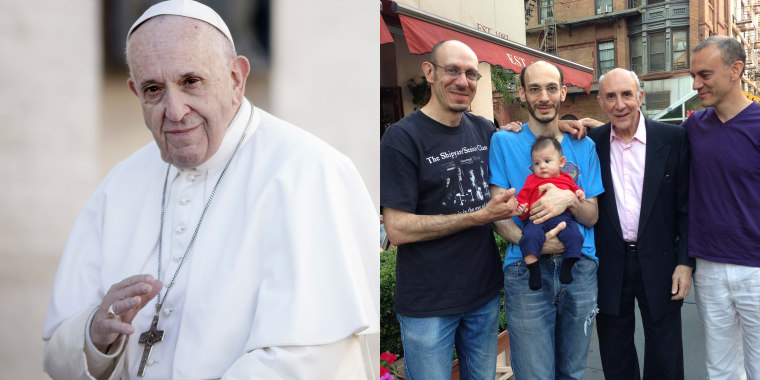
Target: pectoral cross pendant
149	338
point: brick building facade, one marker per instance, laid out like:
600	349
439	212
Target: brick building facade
654	38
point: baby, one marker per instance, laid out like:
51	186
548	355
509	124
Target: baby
548	161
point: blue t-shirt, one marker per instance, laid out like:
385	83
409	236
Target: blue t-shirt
724	186
510	165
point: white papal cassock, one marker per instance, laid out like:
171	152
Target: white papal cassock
284	269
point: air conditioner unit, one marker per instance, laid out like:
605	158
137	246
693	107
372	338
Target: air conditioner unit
604	9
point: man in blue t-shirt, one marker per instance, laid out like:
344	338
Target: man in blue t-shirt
437	209
724	228
549	328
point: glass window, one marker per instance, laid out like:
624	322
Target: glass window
636	49
546	11
680	49
606	57
656	52
603	6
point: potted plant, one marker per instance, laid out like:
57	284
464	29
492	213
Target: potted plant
420	92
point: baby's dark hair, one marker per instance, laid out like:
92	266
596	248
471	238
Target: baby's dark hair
544	141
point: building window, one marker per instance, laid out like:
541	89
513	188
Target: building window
658	100
546	11
634	3
654	1
656	52
636	49
680	49
606	57
603	6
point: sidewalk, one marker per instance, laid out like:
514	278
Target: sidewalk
693	345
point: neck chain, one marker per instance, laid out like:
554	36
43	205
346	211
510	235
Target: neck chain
160	300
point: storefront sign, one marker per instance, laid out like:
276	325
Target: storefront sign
752	97
421	36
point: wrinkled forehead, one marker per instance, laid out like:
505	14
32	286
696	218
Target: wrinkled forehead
616	82
169	27
172	45
173	34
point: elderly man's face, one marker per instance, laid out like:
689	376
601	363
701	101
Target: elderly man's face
189	89
620	99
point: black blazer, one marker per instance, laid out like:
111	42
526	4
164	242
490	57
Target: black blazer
663	223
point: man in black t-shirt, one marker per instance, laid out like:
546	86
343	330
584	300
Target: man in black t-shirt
437	210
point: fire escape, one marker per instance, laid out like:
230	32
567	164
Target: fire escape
547	36
746	25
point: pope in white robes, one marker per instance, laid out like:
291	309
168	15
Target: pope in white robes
281	276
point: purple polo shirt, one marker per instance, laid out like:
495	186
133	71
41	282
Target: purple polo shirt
724	186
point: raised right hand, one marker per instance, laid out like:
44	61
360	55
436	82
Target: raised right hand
127	297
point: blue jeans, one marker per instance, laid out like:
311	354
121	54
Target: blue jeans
429	344
550	328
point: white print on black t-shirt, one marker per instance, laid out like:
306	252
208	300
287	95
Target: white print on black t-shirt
455	154
465	183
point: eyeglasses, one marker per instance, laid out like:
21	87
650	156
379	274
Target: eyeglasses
472	76
535	91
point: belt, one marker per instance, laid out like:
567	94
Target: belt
631	247
548	256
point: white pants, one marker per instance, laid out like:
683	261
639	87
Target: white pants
728	300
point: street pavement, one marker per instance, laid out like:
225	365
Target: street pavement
693	345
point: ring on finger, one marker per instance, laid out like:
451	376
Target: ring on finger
112	313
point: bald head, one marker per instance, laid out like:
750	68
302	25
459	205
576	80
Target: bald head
540	64
619	75
448	47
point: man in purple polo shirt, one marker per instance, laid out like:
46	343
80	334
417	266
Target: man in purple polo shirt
724	232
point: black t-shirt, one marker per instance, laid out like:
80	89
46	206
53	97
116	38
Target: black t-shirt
427	168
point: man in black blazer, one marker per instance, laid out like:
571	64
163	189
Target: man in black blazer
641	233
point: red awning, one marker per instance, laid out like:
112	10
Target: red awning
421	36
385	35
